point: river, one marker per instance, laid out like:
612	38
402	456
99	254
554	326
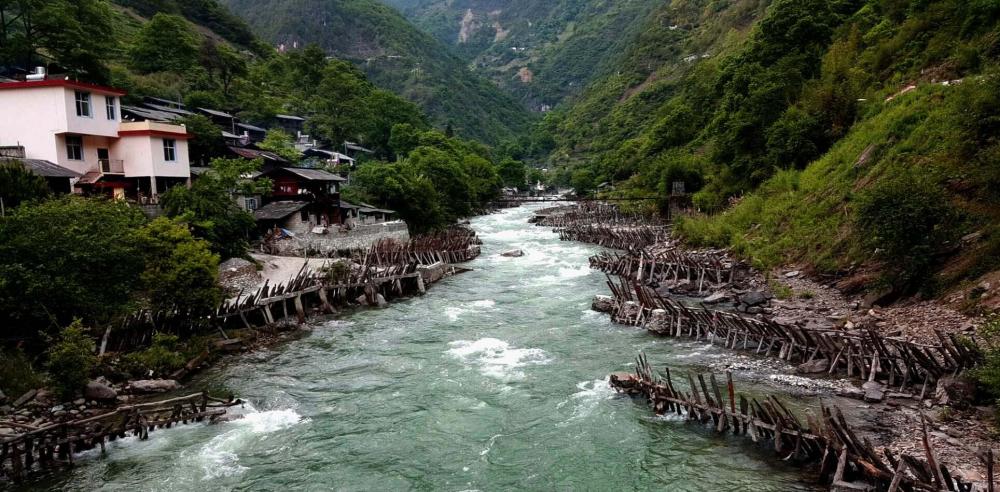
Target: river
494	380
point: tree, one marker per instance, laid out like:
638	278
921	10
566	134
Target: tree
281	143
74	34
513	173
18	185
209	208
399	187
68	258
181	271
449	178
223	64
71	359
403	138
206	142
582	181
165	44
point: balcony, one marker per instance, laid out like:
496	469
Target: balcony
112	166
11	152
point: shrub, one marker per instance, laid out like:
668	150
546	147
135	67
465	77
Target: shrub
17	375
71	359
906	220
987	373
162	357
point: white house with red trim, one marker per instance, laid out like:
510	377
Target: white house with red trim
78	126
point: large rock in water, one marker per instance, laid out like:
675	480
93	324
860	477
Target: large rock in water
755	298
99	391
153	385
603	304
514	253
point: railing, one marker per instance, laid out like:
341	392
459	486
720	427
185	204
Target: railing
112	166
12	151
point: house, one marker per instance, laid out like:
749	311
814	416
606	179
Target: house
251	133
302	200
370	214
291	124
329	157
78	126
225	120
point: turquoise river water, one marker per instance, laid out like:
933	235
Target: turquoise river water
494	380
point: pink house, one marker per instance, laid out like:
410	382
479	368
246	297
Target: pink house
78	126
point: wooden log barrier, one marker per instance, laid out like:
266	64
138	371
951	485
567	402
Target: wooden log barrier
826	440
861	353
43	447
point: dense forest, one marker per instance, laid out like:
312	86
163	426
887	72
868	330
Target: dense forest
394	55
541	51
856	136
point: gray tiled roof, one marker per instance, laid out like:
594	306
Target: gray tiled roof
278	210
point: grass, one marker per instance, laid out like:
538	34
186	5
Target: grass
807	216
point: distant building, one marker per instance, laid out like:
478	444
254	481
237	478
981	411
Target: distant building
78	127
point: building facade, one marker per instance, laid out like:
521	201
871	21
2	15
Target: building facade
78	126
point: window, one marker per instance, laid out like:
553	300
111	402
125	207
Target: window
109	101
304	215
169	150
74	147
250	203
83	104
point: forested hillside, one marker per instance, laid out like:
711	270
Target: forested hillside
541	51
394	55
857	136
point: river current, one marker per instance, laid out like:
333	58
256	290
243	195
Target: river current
494	380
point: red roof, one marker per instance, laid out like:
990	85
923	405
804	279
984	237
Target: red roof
69	84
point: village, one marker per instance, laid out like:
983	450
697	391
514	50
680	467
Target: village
95	145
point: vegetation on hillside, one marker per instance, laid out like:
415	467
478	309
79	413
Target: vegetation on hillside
785	109
541	51
394	55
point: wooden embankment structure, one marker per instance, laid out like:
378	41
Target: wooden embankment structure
709	270
603	224
53	445
861	353
827	440
387	270
454	245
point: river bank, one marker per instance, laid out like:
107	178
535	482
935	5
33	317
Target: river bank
710	281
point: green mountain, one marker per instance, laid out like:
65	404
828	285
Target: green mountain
857	137
541	51
395	55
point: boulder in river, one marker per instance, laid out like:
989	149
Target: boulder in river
716	298
755	298
153	385
514	253
99	391
603	304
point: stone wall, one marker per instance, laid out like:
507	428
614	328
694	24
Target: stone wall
361	236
